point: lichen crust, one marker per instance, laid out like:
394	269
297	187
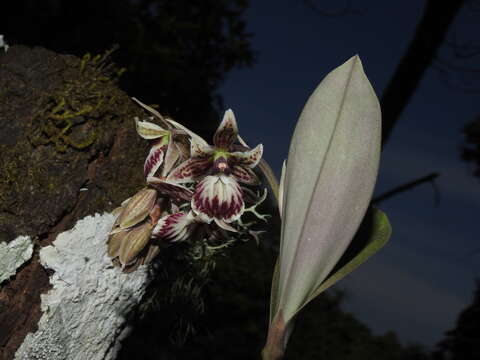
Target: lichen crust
87	308
13	255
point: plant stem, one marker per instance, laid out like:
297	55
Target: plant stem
275	347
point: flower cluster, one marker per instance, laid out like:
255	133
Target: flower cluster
195	192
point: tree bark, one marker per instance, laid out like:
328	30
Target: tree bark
68	149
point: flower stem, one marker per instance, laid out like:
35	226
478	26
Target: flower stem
275	347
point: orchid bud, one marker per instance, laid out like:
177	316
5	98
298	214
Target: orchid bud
134	242
115	242
137	208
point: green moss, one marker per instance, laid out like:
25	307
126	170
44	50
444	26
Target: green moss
87	96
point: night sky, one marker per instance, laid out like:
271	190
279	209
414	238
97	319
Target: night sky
419	282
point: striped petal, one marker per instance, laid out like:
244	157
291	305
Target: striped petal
190	169
177	125
151	110
182	143
198	149
171	156
249	158
227	131
245	175
218	197
175	227
169	189
154	159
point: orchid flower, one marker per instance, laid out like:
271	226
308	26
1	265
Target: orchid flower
169	143
221	158
193	190
219	169
167	146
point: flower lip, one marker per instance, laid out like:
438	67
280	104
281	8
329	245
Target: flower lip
218	197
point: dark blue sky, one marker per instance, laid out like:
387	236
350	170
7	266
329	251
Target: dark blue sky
417	285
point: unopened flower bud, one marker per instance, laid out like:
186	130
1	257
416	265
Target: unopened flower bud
138	208
134	242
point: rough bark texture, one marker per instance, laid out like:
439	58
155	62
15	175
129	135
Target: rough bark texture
68	149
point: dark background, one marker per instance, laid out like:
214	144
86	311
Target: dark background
263	59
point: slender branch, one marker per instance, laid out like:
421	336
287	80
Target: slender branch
275	347
408	186
429	36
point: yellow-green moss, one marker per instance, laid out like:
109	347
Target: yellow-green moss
87	94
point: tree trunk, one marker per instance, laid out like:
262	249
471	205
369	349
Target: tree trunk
68	149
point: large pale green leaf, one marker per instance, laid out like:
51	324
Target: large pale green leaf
331	170
373	234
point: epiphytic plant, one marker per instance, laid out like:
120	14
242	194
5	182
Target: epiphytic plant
194	192
199	192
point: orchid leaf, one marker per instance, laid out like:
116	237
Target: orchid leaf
274	291
280	189
373	234
331	171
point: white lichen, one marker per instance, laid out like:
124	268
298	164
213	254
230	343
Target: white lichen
85	312
3	44
13	255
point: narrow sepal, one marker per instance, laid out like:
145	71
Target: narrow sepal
198	149
249	158
169	189
227	131
197	138
154	112
149	130
171	157
154	159
189	170
182	144
245	175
